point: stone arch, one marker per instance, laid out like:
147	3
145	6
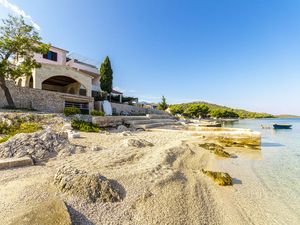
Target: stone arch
64	84
48	71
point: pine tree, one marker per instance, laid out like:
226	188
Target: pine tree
163	104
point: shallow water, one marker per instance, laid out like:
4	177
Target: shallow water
275	177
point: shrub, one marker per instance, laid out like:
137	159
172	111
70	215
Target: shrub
176	109
84	126
97	113
21	128
68	111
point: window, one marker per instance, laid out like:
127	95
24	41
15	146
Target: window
51	56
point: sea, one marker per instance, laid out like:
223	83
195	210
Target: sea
277	171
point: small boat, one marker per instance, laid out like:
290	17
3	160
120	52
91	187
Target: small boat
282	126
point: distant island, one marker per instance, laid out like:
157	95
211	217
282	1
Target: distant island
205	109
287	116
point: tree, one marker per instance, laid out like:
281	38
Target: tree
106	76
196	111
163	104
18	42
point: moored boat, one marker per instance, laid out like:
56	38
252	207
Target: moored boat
282	126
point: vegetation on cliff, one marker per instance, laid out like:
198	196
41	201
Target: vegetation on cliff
205	110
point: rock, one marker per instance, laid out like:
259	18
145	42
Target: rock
91	187
40	146
66	127
211	146
73	134
221	178
139	143
126	133
216	149
96	148
222	153
122	128
51	211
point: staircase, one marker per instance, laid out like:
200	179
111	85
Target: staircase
151	121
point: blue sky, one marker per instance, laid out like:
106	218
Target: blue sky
243	54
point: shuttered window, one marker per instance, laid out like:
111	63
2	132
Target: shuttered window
51	56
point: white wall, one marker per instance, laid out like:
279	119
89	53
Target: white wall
61	57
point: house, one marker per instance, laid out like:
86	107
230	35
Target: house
60	72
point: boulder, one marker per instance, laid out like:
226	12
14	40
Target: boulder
91	187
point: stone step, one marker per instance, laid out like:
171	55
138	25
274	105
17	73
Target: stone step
159	116
154	125
15	162
150	121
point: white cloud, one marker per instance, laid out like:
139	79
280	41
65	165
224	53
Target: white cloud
14	8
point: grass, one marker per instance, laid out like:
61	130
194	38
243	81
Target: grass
221	178
84	126
28	127
97	113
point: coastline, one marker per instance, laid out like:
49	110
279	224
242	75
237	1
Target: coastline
161	184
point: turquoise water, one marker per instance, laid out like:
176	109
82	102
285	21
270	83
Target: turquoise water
278	173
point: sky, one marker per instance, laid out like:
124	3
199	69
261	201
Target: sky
242	54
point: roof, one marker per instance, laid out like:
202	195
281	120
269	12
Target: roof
116	92
51	46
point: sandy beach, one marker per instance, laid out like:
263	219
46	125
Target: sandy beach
159	184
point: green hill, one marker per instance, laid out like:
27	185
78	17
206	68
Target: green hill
215	110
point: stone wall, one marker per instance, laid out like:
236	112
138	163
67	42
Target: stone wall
41	100
123	109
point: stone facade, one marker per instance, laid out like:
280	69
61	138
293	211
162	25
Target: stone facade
47	71
41	100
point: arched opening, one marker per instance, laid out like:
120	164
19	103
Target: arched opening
64	84
31	82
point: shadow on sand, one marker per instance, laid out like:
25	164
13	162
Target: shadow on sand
77	217
236	181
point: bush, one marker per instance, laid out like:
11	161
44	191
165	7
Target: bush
176	109
84	126
17	129
68	111
97	113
